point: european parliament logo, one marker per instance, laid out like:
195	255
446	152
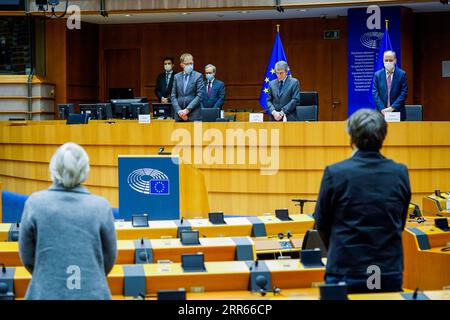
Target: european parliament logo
371	39
149	181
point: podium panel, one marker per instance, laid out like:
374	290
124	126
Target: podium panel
149	185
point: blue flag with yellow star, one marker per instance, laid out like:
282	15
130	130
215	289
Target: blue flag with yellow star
277	55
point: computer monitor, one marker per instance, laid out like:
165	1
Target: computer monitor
193	262
139	108
216	218
189	237
282	214
162	110
75	118
104	111
179	294
120	93
121	108
89	109
139	220
64	110
210	114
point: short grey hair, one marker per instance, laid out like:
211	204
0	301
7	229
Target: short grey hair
69	165
282	65
367	129
186	56
391	52
211	66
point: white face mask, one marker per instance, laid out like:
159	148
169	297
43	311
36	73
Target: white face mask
168	67
389	66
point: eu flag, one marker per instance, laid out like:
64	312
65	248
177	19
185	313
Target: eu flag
385	45
277	55
159	187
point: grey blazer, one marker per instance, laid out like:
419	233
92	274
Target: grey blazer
65	235
191	98
287	101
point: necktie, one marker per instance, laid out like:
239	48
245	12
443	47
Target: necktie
186	77
389	85
167	79
280	88
209	88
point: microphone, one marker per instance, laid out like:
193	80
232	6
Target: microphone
301	203
414	296
261	281
181	220
3	267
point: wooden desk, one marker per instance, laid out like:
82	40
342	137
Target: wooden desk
214	249
220	276
427	269
304	150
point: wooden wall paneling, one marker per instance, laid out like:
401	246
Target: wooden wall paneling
56	57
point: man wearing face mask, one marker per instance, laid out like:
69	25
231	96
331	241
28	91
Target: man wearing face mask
214	96
187	91
390	87
164	82
283	94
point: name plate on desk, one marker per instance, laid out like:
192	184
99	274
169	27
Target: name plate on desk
256	117
392	116
144	118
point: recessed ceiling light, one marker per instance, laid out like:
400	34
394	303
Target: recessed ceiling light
243	12
184	13
303	10
128	15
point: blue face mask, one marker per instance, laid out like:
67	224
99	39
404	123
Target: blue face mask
210	77
188	69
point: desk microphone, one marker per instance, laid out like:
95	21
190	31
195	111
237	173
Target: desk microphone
181	220
3	267
414	296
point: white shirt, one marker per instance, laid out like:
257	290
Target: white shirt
388	73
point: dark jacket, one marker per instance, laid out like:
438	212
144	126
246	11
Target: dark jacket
216	98
361	213
162	90
399	91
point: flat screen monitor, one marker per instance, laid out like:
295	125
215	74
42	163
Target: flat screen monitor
121	108
139	221
162	110
89	109
120	93
64	110
189	237
75	118
139	108
210	114
179	294
282	214
193	262
104	111
12	5
216	218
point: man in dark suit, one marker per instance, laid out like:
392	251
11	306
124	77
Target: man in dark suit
164	82
362	210
214	97
187	91
283	94
390	87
